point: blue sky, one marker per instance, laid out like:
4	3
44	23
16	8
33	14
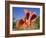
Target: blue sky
18	11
